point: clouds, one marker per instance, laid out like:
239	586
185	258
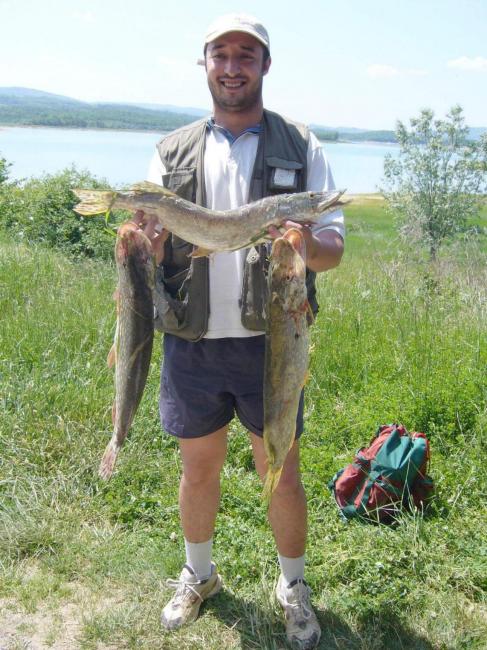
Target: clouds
474	64
387	71
381	71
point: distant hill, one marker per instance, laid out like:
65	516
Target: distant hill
351	134
30	107
185	110
14	92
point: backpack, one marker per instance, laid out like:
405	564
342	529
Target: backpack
385	476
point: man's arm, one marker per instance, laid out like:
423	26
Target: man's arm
324	249
325	240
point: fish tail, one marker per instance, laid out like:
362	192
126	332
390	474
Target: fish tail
94	202
271	480
108	460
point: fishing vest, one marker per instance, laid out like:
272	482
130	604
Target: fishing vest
181	296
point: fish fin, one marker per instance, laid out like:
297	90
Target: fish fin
271	480
112	357
93	202
147	186
199	251
310	317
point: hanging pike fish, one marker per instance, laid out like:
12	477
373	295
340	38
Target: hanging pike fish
132	348
286	353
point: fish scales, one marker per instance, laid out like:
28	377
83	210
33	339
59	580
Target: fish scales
132	349
286	353
212	230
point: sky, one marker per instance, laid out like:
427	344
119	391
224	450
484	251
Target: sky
351	63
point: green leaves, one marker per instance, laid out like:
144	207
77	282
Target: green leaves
40	210
435	185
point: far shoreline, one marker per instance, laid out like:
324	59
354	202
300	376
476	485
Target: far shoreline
162	132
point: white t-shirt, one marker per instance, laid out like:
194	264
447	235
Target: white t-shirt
228	171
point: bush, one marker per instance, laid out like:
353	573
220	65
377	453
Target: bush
4	165
435	185
40	210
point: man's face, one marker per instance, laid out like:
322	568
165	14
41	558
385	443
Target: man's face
235	68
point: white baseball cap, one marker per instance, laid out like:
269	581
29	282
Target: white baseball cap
237	23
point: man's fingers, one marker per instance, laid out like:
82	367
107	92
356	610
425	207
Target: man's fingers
274	232
139	218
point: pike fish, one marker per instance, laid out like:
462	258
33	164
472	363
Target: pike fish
286	352
132	348
212	230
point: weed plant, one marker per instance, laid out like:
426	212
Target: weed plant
83	564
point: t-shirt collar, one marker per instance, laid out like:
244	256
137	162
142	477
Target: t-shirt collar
256	129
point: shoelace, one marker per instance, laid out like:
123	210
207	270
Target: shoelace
300	603
181	587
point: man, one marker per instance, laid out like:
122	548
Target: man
209	309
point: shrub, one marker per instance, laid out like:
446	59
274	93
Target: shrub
436	183
40	210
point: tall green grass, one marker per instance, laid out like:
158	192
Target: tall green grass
84	563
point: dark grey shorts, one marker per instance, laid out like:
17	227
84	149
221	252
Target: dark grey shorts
204	384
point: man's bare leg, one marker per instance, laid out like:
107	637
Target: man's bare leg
199	498
287	510
288	518
199	488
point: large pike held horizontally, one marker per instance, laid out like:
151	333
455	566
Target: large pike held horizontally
286	351
212	230
132	348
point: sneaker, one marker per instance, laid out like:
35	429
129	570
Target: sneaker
302	628
185	605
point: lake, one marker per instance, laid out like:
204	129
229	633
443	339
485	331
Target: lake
122	157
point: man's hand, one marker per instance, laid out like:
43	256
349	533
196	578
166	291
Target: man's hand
323	250
153	230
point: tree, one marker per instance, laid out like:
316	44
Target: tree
435	185
4	165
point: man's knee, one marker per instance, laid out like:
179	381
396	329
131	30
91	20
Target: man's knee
203	458
289	482
200	474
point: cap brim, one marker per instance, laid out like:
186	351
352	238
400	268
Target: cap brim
214	35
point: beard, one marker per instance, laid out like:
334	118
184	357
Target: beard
249	98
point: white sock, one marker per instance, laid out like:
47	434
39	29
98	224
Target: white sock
198	557
292	568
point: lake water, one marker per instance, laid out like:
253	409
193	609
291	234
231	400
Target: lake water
122	157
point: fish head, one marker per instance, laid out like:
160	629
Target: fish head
320	202
288	257
328	201
132	243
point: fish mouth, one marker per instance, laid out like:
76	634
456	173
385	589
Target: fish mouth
328	200
132	242
283	256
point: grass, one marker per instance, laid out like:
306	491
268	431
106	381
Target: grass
83	564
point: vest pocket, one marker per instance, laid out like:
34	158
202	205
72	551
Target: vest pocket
253	301
180	300
171	299
182	182
283	175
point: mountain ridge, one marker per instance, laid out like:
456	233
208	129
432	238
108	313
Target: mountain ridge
30	106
